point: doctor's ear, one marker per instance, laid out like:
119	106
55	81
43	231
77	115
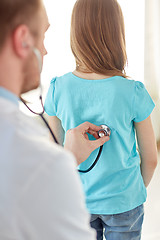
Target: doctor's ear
22	41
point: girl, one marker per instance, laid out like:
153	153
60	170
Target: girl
99	91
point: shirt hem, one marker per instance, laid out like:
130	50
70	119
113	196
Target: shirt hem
102	212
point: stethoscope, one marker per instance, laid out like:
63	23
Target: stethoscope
104	131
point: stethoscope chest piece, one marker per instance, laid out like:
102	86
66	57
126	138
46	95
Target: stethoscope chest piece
104	131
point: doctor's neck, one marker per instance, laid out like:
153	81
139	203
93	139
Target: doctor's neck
10	73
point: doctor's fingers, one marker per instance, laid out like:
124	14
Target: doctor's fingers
87	126
98	142
93	133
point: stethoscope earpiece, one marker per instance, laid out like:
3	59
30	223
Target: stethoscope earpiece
39	58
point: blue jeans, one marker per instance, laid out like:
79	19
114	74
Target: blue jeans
123	226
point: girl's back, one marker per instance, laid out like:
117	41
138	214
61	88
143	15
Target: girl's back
118	103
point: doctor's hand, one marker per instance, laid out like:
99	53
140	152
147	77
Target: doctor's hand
78	143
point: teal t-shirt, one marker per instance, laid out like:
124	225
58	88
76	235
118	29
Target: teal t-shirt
115	184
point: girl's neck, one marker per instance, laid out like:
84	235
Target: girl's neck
90	76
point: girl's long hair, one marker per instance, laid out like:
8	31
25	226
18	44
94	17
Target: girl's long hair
98	37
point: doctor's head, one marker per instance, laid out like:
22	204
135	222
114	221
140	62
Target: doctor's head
98	37
23	24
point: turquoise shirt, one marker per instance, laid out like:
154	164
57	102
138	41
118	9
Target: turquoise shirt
115	184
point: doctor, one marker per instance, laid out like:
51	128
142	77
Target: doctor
40	191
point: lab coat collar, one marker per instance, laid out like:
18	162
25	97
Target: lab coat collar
4	93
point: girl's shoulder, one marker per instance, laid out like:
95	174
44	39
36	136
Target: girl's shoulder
62	78
129	83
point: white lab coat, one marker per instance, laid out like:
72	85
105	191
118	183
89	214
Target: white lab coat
41	196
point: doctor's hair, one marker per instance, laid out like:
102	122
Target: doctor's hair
16	12
98	37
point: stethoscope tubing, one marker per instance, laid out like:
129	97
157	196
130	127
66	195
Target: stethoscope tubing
50	130
94	163
53	136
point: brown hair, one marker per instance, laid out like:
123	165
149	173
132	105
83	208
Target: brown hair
14	13
98	37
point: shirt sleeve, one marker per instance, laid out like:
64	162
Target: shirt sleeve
143	103
49	105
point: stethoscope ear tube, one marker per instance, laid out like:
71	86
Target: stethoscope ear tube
51	132
42	117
